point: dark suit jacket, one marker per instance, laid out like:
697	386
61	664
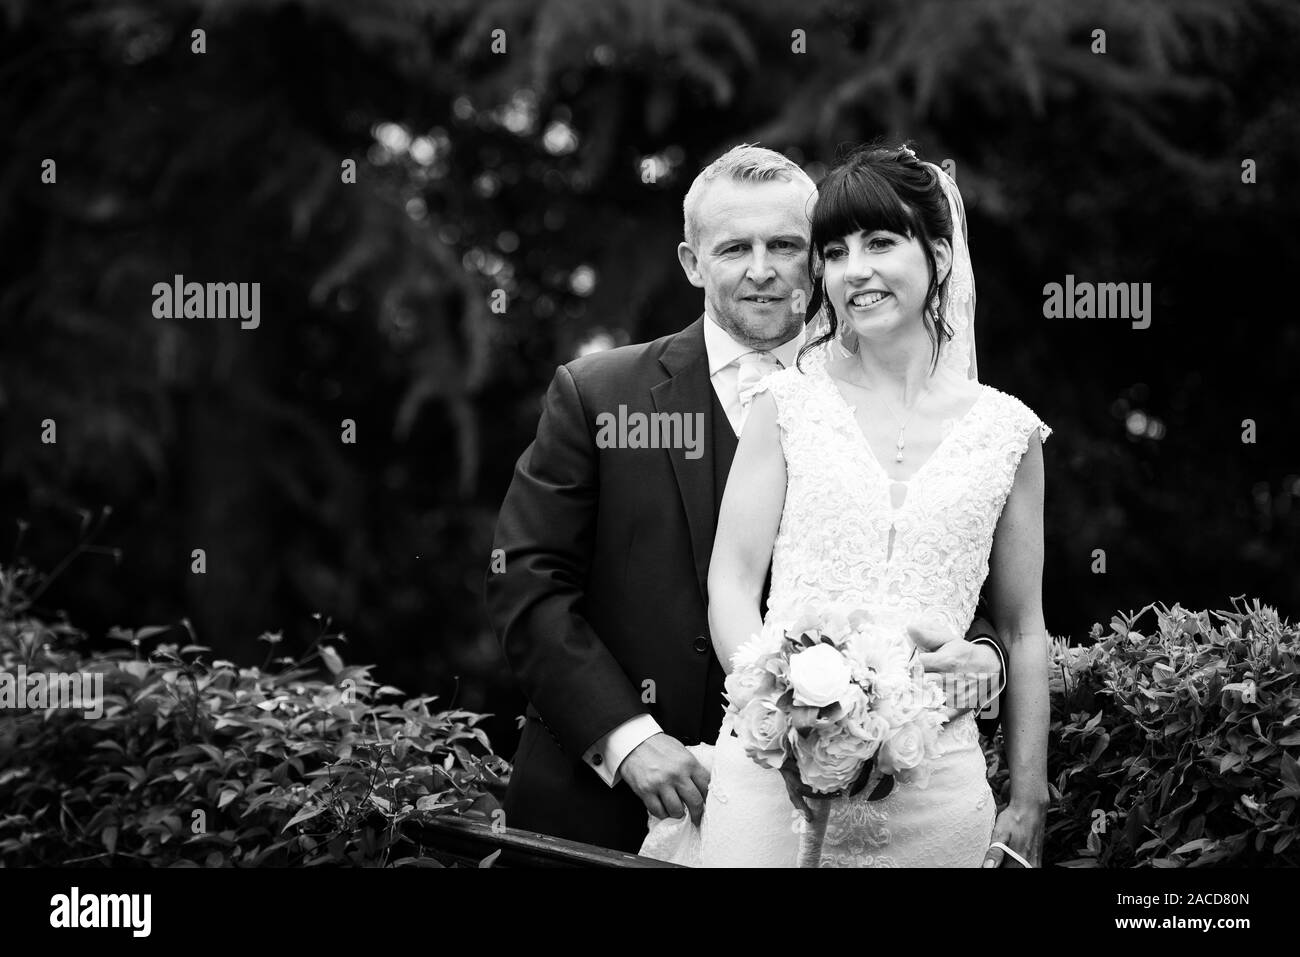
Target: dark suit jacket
607	557
602	608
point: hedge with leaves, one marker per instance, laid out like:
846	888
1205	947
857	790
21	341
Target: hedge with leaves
197	762
1174	741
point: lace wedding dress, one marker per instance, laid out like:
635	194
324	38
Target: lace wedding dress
842	541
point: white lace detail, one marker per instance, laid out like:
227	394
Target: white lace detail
943	822
833	546
833	542
958	354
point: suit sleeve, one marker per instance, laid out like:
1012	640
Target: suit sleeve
988	719
547	530
607	755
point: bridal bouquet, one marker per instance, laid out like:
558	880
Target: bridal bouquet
838	697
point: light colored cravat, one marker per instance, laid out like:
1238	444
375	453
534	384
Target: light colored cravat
753	368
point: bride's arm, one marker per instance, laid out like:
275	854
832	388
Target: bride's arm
747	526
1016	599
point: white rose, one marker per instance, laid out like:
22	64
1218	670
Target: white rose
743	685
829	762
854	702
930	723
761	727
819	676
867	726
903	750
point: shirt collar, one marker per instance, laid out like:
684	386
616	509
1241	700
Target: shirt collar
722	350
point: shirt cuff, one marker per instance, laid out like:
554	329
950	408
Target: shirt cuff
1002	659
606	756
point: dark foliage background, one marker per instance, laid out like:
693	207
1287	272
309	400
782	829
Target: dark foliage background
522	171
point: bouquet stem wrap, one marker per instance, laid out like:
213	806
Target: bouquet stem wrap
813	837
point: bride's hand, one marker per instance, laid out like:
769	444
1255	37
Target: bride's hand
971	672
1019	827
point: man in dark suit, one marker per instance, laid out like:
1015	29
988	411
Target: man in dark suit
608	526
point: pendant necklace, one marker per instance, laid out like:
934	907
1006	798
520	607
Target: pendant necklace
901	443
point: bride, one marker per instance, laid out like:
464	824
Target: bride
878	473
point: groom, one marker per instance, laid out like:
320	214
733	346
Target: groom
608	526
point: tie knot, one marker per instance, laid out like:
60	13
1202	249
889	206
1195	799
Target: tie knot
754	368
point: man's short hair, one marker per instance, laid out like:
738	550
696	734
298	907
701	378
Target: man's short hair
747	162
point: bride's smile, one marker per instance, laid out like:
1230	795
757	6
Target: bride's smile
878	281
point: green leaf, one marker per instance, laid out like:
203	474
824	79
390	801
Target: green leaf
271	849
102	817
1290	772
136	669
306	814
109	838
431	803
331	658
1099	747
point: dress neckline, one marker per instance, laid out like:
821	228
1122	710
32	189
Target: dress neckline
849	410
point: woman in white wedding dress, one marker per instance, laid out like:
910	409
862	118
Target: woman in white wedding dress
880	474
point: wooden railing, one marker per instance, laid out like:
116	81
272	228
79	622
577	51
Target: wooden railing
465	840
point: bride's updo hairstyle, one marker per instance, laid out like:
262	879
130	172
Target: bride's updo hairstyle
880	187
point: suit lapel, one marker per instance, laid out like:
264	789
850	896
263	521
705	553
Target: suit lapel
689	391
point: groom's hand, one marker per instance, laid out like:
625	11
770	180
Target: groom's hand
666	777
971	672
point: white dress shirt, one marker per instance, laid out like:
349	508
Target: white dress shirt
723	352
606	756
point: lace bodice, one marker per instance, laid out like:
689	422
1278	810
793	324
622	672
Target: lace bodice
834	543
834	546
843	541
